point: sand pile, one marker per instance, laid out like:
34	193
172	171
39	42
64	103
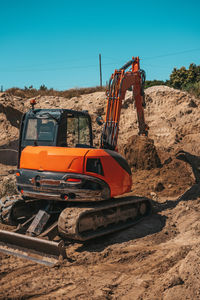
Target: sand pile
141	153
11	110
172	115
173	118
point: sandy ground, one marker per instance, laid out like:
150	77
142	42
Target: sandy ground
157	258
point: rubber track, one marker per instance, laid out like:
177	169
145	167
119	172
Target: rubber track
6	207
68	222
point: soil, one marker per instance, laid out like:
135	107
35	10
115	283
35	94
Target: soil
140	153
155	259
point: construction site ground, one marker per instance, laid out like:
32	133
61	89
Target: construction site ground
158	258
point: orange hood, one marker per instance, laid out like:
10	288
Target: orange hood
56	159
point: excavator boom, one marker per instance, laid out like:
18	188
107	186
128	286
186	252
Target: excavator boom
120	81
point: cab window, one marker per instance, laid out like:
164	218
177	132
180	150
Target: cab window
78	132
40	130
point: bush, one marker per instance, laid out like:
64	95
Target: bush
44	91
185	79
43	87
149	83
193	88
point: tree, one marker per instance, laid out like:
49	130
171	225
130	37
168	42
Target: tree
180	78
43	87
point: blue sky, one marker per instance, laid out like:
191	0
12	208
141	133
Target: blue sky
57	43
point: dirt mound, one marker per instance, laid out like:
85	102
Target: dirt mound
173	118
172	115
141	153
11	111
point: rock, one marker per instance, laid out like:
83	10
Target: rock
167	161
192	104
9	186
159	187
154	196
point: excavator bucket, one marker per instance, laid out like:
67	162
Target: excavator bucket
39	250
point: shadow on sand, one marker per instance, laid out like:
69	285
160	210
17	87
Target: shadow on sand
148	226
13	115
191	194
8	157
9	153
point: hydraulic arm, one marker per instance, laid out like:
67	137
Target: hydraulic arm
120	81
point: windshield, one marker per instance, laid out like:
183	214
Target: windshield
40	130
77	131
74	131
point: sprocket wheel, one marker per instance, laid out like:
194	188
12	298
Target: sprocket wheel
6	210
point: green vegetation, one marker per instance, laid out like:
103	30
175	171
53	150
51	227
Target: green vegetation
188	80
29	92
183	79
193	88
149	83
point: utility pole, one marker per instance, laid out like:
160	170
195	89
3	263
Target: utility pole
100	70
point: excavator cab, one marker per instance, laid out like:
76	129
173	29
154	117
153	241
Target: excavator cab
56	127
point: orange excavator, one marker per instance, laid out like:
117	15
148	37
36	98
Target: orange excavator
69	190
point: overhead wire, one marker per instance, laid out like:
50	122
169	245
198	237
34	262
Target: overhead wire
171	54
35	69
54	69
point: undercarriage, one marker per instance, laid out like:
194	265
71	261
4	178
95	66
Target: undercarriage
44	228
